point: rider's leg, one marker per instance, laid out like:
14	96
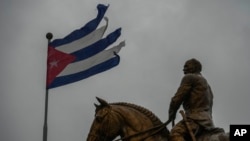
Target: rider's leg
179	132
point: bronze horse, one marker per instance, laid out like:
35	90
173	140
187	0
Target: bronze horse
127	120
132	123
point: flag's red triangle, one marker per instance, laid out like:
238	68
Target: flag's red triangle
57	61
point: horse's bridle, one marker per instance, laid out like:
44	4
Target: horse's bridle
104	138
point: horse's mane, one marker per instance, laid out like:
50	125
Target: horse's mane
155	120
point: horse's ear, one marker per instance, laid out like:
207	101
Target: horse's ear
102	102
96	106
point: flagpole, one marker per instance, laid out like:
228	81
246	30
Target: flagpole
49	36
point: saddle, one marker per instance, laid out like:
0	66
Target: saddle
205	134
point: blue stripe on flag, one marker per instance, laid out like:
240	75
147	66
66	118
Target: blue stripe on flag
85	30
63	80
97	47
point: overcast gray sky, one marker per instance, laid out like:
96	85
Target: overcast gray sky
160	36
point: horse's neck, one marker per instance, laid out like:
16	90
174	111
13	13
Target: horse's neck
135	121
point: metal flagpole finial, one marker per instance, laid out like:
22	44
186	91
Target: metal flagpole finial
49	36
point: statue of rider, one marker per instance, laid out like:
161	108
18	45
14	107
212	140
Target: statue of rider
196	98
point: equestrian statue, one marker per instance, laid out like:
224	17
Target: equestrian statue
131	122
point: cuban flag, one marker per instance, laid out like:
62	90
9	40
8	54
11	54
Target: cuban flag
83	53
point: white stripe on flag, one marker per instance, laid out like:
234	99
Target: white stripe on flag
85	41
92	61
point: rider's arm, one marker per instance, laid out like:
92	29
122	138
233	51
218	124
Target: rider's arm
183	90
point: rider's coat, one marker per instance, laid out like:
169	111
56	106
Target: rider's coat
196	97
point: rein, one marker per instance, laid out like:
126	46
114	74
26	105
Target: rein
161	126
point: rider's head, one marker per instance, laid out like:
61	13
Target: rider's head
192	66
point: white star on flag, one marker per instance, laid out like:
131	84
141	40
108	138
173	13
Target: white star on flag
53	64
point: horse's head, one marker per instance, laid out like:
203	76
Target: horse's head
106	125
